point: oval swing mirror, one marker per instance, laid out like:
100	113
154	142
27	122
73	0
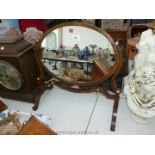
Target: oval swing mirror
79	57
77	53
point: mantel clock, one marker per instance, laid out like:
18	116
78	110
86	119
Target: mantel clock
18	71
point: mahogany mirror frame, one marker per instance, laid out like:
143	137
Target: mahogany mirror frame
85	87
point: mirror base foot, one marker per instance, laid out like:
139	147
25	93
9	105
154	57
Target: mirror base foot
42	89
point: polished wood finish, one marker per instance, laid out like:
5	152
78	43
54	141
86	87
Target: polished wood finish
117	34
21	55
10	39
35	127
3	106
120	39
137	29
100	69
101	72
103	66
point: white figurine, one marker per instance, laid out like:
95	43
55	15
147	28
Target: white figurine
139	85
32	35
146	49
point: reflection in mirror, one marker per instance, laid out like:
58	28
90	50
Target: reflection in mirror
49	43
70	52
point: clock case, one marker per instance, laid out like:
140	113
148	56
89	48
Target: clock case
20	54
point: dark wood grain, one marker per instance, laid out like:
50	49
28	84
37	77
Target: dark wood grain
35	127
21	55
3	106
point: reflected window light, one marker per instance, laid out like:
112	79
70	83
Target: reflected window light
51	41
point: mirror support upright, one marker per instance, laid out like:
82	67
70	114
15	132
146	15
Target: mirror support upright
100	70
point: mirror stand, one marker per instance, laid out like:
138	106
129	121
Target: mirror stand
45	85
42	87
96	59
114	96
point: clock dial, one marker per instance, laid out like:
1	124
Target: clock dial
10	77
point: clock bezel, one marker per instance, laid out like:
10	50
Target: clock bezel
19	76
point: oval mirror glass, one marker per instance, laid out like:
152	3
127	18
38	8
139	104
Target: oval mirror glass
78	53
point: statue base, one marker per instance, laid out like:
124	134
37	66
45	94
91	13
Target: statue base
140	119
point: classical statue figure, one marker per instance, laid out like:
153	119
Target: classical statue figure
139	85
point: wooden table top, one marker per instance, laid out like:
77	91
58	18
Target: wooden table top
35	127
2	106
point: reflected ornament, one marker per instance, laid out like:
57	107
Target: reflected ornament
93	48
76	50
85	53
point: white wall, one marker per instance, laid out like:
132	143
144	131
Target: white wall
50	42
71	35
83	37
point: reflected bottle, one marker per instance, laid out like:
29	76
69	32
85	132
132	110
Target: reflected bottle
85	53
